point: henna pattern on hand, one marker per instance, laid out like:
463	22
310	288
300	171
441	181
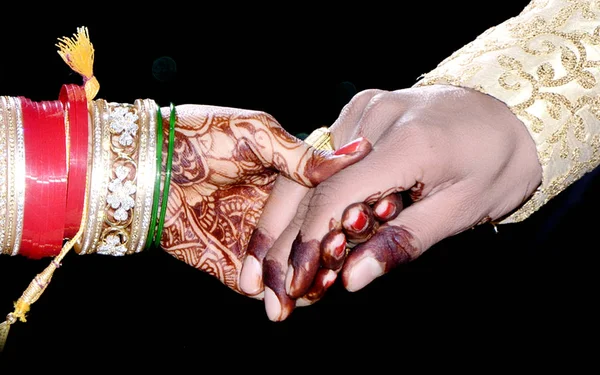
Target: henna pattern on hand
188	166
224	167
416	192
371	199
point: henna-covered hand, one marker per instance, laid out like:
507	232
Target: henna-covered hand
225	164
460	156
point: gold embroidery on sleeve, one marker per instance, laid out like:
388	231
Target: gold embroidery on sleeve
544	64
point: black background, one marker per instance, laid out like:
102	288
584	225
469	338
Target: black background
480	299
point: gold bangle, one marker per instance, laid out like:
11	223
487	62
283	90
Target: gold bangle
98	179
4	217
122	127
145	175
320	139
15	183
19	183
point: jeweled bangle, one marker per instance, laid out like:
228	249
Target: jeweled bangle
11	160
123	125
16	176
98	178
4	218
145	175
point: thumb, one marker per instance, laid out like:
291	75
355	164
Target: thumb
415	229
314	160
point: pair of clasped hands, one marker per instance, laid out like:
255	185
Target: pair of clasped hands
277	219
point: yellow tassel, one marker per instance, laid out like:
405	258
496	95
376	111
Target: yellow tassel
78	53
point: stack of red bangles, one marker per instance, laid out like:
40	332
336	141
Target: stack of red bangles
61	159
80	173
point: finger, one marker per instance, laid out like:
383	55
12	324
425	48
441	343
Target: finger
323	281
292	157
366	181
345	126
326	208
340	133
388	207
278	212
333	249
405	238
358	222
309	166
278	304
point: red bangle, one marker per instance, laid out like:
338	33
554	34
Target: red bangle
41	179
51	243
75	104
46	178
32	191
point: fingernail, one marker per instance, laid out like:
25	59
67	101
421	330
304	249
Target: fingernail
339	244
329	279
349	148
365	271
385	209
272	305
251	276
356	220
302	302
289	276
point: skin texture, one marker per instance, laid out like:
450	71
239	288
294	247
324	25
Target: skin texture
447	158
225	164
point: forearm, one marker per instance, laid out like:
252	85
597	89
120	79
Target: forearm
543	65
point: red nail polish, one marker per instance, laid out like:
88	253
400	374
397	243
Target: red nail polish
328	283
339	250
360	223
388	211
348	148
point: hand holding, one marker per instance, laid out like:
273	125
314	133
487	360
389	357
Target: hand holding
224	166
460	156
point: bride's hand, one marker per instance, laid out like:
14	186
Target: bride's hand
225	163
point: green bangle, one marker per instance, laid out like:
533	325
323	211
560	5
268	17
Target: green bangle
159	143
167	183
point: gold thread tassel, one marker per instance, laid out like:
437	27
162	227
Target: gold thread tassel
78	53
22	306
35	289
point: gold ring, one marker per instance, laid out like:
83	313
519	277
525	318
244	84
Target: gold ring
320	139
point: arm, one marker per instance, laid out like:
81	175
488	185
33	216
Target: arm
461	155
543	65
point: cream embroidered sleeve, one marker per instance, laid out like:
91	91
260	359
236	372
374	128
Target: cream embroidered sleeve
545	65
